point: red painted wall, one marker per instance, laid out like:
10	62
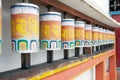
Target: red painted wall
117	31
116	17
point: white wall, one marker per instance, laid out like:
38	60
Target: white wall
104	5
10	60
100	5
107	64
88	75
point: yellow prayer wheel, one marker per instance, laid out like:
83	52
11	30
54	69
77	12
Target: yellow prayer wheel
88	35
68	34
0	24
108	36
25	27
105	36
112	37
50	31
100	36
79	33
95	36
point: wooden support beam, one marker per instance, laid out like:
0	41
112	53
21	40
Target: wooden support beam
49	56
66	54
77	53
25	60
88	50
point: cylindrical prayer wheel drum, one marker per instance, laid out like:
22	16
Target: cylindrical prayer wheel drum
95	36
100	36
0	24
68	34
113	37
88	35
79	33
105	36
25	27
50	31
110	37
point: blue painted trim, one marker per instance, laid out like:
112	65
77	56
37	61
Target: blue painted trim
115	13
47	14
67	20
23	6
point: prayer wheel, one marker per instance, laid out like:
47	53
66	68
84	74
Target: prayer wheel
79	33
25	27
50	30
68	34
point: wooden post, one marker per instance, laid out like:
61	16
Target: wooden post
64	14
101	47
77	53
94	49
25	1
97	48
25	60
66	54
49	56
88	51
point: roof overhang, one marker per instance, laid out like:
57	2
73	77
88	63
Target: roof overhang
89	8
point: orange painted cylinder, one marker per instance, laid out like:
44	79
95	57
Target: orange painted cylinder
110	37
107	36
104	36
79	33
50	31
113	37
25	27
88	35
68	34
0	24
100	36
95	36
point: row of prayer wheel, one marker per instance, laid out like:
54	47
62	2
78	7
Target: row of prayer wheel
51	32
